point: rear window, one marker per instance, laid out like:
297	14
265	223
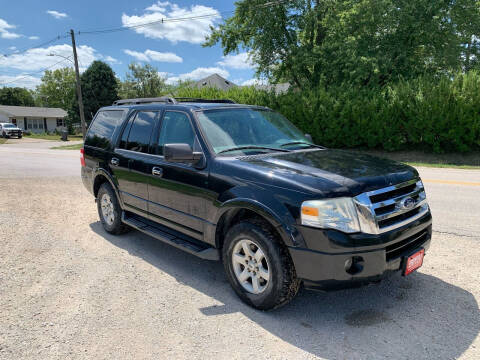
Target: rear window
101	131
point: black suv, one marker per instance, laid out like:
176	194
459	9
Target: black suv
241	184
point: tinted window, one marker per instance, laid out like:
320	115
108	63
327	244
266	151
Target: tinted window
101	131
141	131
176	129
126	131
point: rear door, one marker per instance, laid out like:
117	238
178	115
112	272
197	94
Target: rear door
177	192
129	161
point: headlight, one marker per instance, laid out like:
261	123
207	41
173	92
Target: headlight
339	214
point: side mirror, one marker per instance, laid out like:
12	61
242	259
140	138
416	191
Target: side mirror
181	153
309	138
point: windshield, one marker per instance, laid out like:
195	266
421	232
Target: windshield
9	126
249	130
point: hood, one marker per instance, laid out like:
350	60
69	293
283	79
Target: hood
11	128
330	172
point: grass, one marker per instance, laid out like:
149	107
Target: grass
2	141
419	158
55	137
68	147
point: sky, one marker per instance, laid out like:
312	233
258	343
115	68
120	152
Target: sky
174	48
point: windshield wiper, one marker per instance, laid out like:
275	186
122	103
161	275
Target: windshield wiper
300	143
252	147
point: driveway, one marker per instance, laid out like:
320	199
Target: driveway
70	290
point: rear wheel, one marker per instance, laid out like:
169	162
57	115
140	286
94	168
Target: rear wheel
109	210
258	267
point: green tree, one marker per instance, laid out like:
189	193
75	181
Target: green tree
99	88
57	89
16	97
141	81
363	42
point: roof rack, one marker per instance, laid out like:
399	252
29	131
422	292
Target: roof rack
163	99
170	100
209	101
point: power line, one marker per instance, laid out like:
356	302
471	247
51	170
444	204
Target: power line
123	28
36	72
167	20
48	42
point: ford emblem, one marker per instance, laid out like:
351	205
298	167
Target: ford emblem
408	203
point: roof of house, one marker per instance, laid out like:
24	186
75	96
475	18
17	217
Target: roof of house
215	80
25	111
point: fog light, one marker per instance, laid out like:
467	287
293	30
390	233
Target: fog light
348	264
354	265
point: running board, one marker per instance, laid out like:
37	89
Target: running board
170	237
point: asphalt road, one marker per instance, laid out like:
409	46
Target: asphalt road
70	290
34	158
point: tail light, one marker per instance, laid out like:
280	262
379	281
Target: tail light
82	157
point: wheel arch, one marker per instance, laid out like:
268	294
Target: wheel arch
233	212
101	176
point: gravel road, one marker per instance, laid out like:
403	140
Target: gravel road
68	290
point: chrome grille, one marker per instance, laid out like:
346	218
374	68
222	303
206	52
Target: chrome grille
389	208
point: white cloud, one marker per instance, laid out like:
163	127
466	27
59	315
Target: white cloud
57	14
137	55
111	60
33	38
163	57
4	30
199	73
251	82
12	48
28	81
152	55
39	59
239	61
192	31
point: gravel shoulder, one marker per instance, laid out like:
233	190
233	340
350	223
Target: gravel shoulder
70	290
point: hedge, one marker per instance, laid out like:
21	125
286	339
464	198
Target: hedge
439	114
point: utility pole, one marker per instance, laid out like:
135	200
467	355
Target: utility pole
79	85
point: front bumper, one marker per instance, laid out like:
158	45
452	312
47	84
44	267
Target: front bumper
16	133
322	265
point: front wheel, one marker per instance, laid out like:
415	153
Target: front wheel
109	210
258	267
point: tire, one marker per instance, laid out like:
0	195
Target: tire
110	216
20	136
4	135
282	284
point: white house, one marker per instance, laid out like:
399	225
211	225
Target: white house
34	119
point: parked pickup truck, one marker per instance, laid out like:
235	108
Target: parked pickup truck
8	130
241	184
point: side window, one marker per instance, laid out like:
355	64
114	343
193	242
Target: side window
141	131
126	131
101	131
176	129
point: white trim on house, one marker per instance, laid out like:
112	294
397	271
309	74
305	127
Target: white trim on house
34	119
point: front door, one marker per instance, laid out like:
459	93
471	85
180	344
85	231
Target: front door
177	192
130	160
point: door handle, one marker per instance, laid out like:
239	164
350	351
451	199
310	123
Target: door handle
156	171
115	161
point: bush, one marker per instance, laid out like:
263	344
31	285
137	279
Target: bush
438	114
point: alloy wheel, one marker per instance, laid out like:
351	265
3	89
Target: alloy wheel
250	266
